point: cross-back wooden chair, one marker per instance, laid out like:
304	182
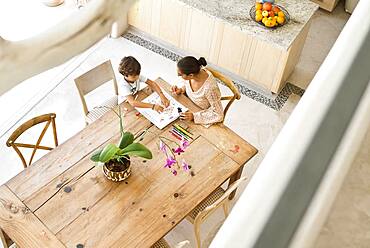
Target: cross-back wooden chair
230	84
91	80
218	198
11	142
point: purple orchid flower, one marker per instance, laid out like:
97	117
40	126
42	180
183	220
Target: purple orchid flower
185	165
174	172
184	144
178	150
169	162
163	147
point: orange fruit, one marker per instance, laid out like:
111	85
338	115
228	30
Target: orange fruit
276	9
265	13
267	6
281	14
280	20
271	13
259	17
259	12
273	22
259	6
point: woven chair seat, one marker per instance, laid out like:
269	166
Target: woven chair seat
99	111
212	198
162	243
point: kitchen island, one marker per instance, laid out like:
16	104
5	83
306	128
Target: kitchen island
224	33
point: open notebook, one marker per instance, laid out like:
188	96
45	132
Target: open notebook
170	114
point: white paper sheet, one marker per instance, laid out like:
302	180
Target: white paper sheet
170	114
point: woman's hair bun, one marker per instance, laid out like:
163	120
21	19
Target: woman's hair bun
202	61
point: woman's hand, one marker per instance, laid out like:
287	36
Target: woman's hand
164	100
176	90
187	116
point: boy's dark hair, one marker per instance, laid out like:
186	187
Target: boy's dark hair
129	66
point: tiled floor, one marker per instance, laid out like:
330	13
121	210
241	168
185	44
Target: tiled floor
348	222
258	123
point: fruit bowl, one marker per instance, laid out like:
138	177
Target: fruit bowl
277	16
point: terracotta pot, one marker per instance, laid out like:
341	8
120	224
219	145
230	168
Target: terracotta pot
52	3
117	171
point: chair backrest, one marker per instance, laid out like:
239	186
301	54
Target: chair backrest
92	79
230	84
225	197
11	142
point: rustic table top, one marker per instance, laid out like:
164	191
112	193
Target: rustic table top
64	200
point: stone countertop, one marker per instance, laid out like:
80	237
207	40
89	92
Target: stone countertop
236	13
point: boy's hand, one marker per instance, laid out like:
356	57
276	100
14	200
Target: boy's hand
165	101
158	108
187	116
176	90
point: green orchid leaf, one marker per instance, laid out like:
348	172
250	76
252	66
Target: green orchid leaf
126	139
138	150
108	153
143	154
96	155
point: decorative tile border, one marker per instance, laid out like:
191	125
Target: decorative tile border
275	103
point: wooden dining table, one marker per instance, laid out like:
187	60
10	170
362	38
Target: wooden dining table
64	200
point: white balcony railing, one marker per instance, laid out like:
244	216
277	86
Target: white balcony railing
288	198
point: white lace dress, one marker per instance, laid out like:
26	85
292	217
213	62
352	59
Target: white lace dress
208	98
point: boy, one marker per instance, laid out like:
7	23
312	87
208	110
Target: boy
130	68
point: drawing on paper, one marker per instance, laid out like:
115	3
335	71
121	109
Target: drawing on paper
170	114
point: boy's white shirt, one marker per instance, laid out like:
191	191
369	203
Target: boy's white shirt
126	89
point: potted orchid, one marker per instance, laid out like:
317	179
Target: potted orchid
116	158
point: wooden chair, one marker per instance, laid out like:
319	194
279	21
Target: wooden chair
6	241
230	84
11	142
162	243
218	198
91	80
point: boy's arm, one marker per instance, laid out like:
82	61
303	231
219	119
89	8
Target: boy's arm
154	86
138	104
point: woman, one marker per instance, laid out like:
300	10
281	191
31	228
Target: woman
201	87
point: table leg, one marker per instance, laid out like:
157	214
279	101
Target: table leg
233	178
5	239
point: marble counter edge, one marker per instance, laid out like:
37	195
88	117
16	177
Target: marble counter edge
274	42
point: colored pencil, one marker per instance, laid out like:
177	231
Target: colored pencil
175	135
180	134
184	135
183	130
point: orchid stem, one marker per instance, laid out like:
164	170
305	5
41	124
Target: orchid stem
118	114
160	137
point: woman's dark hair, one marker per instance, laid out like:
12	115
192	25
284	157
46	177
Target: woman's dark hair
190	65
129	66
